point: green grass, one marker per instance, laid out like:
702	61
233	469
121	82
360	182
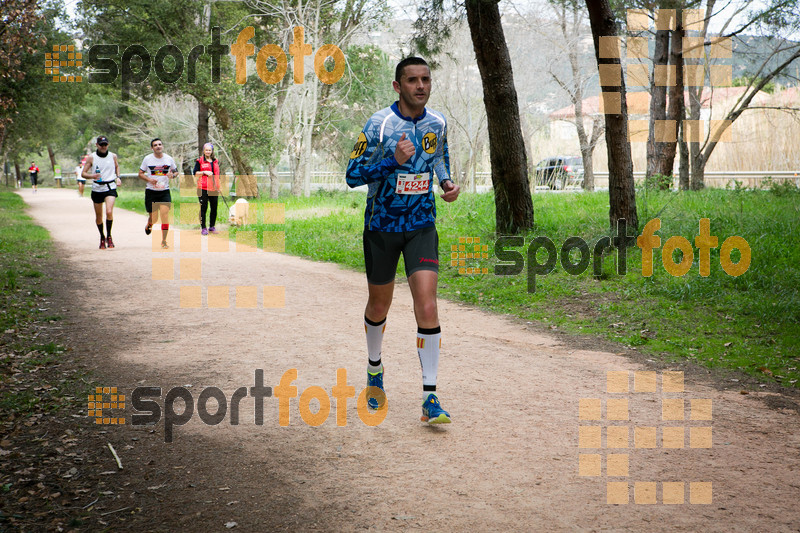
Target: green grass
23	245
25	250
749	323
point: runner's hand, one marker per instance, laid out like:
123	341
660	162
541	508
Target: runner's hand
404	150
451	191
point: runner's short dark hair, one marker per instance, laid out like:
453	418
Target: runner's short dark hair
154	140
411	60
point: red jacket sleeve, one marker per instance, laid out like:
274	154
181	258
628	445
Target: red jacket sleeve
215	166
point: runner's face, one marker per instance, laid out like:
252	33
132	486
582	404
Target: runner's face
157	147
414	86
207	151
102	148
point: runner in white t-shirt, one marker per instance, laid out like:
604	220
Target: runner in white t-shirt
157	169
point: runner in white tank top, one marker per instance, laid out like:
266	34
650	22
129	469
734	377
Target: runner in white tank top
102	168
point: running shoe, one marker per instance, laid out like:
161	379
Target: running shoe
212	229
204	231
148	227
164	245
432	411
102	243
375	379
110	242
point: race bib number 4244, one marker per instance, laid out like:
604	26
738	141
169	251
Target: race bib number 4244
413	183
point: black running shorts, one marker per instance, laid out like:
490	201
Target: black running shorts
151	197
382	249
100	197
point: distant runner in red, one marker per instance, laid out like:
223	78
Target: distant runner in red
34	172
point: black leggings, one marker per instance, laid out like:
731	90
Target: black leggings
205	199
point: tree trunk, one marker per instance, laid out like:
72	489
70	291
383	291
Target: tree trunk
658	106
52	155
586	141
715	134
697	176
683	161
697	162
202	125
676	105
241	166
621	190
280	106
297	175
588	165
274	182
512	192
19	174
695	156
307	147
475	148
583	140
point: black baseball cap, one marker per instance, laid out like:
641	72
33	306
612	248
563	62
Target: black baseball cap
102	140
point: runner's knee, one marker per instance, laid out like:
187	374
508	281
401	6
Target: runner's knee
377	309
426	311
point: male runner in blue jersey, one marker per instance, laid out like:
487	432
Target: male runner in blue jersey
396	155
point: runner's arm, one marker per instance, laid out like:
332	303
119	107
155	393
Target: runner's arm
88	164
173	171
215	166
441	165
364	174
116	170
362	168
145	177
441	159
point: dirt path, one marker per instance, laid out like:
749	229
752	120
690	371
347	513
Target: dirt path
510	460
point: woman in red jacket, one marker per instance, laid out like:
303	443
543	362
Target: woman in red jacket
206	169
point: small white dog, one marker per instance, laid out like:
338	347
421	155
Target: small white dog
239	213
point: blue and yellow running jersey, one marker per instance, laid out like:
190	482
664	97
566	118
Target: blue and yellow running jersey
400	197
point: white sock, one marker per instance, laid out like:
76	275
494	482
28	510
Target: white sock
429	341
374	332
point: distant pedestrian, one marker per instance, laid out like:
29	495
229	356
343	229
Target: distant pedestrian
79	176
206	169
